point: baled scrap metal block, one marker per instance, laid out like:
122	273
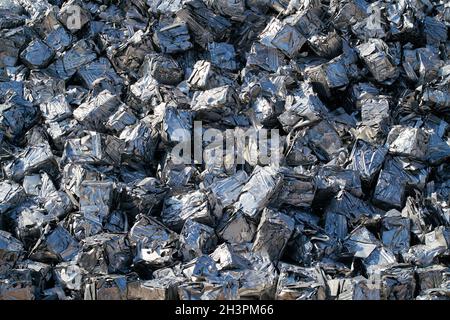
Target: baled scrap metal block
11	250
406	141
11	194
174	122
105	254
162	68
435	31
9	89
256	194
349	12
299	283
83	225
9	54
377	58
296	190
397	283
381	257
18	285
41	273
56	245
227	258
362	91
334	74
434	294
273	232
415	210
361	243
267	58
205	76
389	190
93	148
222	55
37	55
230	8
299	153
336	225
101	73
56	109
283	37
116	222
155	289
332	179
193	205
215	103
203	268
413	173
110	287
10	19
264	111
288	40
58	39
395	231
236	228
140	196
15	119
69	275
173	174
74	174
31	160
122	118
224	192
96	199
367	159
431	277
203	23
30	221
95	112
438	238
360	288
144	91
196	239
326	45
140	141
306	21
112	168
66	13
225	290
438	149
375	112
324	141
258	284
70	61
173	38
328	76
423	255
154	244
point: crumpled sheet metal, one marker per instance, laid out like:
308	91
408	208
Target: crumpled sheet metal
94	204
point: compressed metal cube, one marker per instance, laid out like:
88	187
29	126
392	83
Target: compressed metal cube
273	233
299	283
196	239
37	54
262	184
179	208
222	55
10	251
153	243
173	38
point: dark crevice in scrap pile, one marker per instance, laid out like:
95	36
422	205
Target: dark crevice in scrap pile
94	206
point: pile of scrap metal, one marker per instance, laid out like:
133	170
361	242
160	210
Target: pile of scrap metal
98	98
